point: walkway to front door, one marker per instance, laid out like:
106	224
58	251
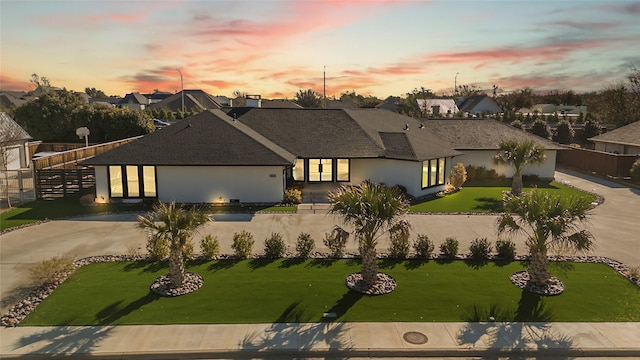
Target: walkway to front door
313	193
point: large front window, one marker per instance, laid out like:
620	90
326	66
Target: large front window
132	181
320	170
433	172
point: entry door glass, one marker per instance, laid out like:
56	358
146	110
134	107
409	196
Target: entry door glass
133	185
320	170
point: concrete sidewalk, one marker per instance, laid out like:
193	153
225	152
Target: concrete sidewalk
333	340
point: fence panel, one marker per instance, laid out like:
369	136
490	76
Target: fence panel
52	183
18	186
601	163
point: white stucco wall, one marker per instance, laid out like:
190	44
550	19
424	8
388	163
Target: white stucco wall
208	184
193	184
393	172
616	148
484	158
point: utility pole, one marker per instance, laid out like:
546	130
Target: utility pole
324	91
455	85
181	91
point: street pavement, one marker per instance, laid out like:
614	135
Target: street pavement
615	225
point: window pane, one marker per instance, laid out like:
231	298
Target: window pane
314	169
327	170
149	181
133	185
115	181
441	170
433	172
343	170
425	174
298	170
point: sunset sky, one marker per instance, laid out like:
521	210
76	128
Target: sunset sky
275	48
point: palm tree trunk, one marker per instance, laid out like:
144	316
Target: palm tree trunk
176	268
369	266
516	183
538	265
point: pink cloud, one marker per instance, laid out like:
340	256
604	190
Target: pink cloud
8	83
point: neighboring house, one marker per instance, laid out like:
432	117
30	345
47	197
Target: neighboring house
250	154
13	99
157	96
341	104
134	101
194	101
391	103
279	104
479	141
13	144
437	107
478	104
623	140
552	109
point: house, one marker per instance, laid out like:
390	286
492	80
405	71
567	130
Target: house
479	140
478	104
437	107
156	96
134	101
194	101
13	144
250	154
391	103
623	140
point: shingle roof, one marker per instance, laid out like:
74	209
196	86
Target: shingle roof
134	98
10	130
279	104
196	100
481	134
208	138
347	133
626	135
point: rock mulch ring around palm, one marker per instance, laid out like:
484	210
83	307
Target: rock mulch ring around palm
162	285
553	286
384	284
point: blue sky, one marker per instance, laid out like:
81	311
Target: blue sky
275	48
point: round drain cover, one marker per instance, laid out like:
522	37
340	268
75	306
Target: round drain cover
414	337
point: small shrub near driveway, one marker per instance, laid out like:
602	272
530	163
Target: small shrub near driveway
506	249
49	271
188	251
480	248
210	247
399	245
336	241
158	248
449	248
292	196
423	246
243	244
304	245
274	246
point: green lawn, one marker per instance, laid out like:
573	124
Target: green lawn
287	290
64	207
484	197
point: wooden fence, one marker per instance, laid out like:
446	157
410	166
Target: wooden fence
602	163
70	158
53	183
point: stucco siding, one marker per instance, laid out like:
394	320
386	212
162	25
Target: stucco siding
484	158
193	184
393	172
616	148
102	184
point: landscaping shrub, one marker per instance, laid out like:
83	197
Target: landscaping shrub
506	249
187	250
242	244
423	246
292	196
481	173
49	271
480	248
458	175
336	241
564	132
592	128
210	247
449	248
87	199
274	246
518	124
399	244
133	250
635	171
304	245
158	248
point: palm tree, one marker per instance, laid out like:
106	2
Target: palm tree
175	224
373	209
546	221
519	155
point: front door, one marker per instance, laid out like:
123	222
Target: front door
320	170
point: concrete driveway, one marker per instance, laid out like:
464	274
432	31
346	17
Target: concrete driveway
615	225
